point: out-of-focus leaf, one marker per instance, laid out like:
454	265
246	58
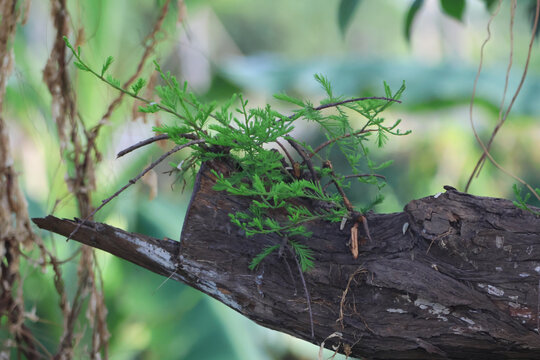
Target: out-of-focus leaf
453	8
489	4
416	5
345	13
532	15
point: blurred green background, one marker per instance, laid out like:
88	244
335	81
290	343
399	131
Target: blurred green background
257	48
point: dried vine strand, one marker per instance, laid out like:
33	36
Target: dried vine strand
150	43
480	142
501	118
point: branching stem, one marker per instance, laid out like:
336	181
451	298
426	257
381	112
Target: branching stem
304	156
331	141
346	200
338	103
133	181
355	176
141	144
286	152
150	141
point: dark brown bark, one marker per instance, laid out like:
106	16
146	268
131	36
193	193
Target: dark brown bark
461	281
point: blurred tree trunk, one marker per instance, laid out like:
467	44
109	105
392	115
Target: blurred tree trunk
453	276
15	230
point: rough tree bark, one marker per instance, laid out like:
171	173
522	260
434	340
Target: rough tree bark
460	281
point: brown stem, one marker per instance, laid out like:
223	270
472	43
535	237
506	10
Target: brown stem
141	144
133	181
304	156
355	176
325	106
346	200
150	141
291	160
331	141
306	292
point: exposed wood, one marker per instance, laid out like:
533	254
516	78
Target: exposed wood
461	281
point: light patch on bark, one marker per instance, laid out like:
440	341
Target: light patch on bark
155	253
467	320
208	286
433	308
499	241
492	290
398	311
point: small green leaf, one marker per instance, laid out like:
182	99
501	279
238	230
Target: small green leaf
68	44
325	83
287	98
383	165
112	80
150	108
66	40
257	259
81	66
106	65
258	184
345	13
454	8
138	85
305	255
411	14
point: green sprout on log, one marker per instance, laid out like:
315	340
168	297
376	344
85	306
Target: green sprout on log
288	181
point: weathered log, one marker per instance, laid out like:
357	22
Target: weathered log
454	276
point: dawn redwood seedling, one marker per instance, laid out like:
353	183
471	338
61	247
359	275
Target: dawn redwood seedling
273	179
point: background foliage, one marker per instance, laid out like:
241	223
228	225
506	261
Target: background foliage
258	48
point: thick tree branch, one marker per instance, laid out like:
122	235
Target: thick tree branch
453	276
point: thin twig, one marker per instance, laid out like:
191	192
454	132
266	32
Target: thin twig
141	144
133	181
356	176
291	160
150	141
325	106
308	298
284	259
344	295
328	142
338	103
346	200
306	158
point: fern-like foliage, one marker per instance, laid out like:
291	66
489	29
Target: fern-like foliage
281	188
